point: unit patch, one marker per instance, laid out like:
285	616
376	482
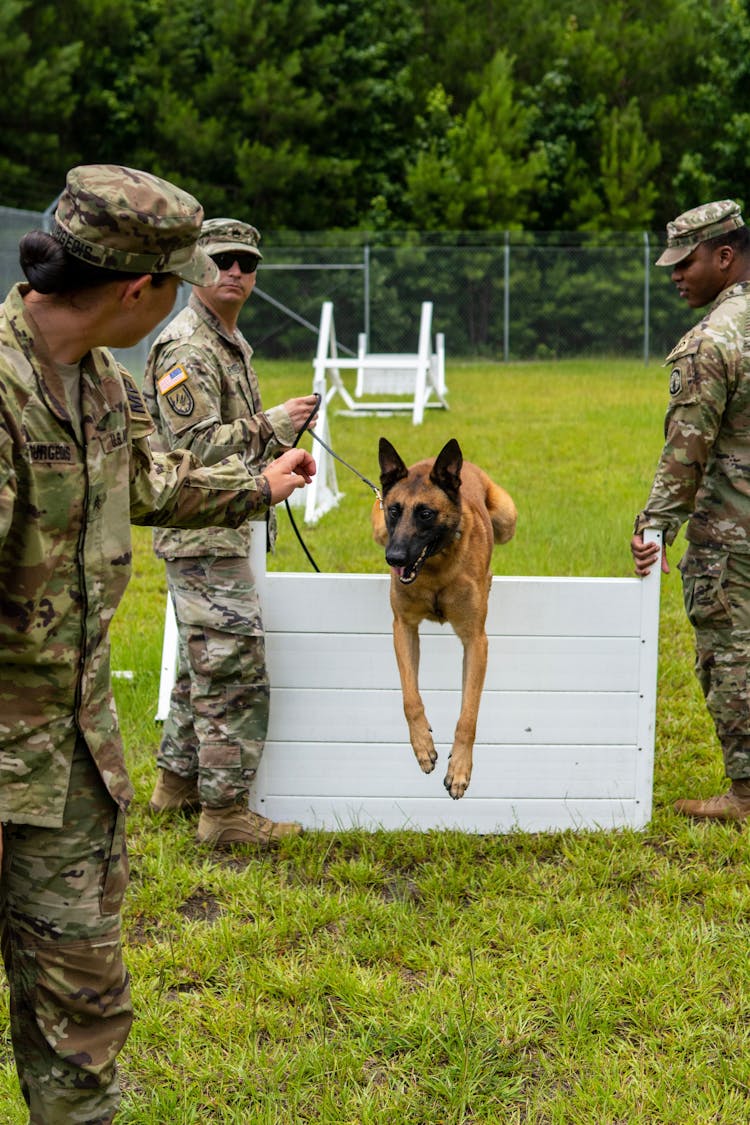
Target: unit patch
675	381
181	401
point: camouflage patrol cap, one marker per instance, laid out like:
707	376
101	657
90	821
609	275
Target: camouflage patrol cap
122	219
220	235
698	225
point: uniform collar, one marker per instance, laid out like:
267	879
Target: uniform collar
34	347
735	290
204	313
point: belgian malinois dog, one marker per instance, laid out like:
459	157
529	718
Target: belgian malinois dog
438	522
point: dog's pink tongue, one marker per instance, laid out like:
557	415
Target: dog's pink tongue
398	570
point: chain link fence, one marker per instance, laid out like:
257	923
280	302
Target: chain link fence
498	296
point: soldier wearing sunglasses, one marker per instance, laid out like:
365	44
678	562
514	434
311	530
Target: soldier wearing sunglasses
203	395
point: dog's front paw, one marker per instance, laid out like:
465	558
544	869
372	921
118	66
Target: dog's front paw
424	749
456	781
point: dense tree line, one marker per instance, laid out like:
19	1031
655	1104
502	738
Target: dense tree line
391	114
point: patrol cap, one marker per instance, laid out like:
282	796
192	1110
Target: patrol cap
219	235
122	219
698	225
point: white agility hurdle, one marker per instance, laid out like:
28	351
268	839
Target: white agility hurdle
420	376
323	492
565	737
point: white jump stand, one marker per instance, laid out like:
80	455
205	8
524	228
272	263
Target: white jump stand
323	492
565	737
419	377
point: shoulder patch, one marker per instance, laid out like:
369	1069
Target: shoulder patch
171	379
135	402
688	345
675	381
181	401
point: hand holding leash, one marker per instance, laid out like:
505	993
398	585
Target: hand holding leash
293	469
302	412
316	399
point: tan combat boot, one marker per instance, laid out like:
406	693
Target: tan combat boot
732	805
236	824
174	793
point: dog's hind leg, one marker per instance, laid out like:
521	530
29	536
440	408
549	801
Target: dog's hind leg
458	774
406	645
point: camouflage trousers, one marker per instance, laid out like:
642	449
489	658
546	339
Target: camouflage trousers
218	713
716	591
60	898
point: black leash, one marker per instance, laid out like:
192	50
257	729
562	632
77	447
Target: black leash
341	461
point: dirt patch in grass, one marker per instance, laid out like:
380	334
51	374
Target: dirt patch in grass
201	906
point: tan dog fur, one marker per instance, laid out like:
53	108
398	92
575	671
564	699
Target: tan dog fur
439	522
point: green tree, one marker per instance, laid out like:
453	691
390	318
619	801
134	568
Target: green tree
304	114
477	171
37	100
293	112
623	195
717	162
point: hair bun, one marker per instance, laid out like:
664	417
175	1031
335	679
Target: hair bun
43	261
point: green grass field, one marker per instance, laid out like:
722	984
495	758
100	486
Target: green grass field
438	978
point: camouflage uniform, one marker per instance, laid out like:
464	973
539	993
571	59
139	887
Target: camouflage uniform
65	511
61	894
203	394
702	478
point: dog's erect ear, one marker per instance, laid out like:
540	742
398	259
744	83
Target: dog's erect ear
392	468
446	472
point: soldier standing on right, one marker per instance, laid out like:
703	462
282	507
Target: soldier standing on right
703	477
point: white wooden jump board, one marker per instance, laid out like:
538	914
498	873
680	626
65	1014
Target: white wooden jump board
565	736
419	376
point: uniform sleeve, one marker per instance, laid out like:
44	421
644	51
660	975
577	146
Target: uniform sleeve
7	482
283	430
187	385
698	391
174	489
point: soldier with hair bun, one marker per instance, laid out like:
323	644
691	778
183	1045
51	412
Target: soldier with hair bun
703	479
76	469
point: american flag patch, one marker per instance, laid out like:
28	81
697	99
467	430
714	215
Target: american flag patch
171	379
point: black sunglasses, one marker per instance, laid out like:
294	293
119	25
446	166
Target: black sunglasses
247	262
